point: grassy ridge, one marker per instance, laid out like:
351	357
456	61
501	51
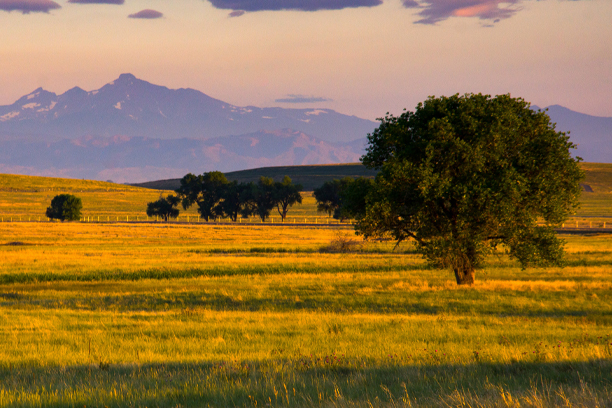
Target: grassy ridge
14	183
598	175
309	176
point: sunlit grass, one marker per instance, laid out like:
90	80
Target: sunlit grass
204	315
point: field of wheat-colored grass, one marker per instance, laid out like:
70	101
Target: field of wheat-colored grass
203	315
117	314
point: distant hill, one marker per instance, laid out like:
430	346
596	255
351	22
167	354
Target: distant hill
598	176
310	177
592	134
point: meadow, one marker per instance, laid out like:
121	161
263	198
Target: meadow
176	315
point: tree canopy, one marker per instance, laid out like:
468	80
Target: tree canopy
286	194
328	196
218	197
462	175
65	207
206	190
165	207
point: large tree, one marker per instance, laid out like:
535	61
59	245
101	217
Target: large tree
165	207
206	191
328	196
462	175
286	194
261	198
65	207
235	198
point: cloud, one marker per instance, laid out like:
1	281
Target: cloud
147	13
302	5
97	1
28	6
236	13
434	11
301	99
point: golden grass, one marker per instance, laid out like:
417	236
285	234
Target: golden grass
123	314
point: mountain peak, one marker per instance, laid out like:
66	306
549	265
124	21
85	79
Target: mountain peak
75	90
127	76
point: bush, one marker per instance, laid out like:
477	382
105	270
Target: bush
343	243
65	207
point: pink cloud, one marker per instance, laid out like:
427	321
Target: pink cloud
28	6
97	1
433	11
147	14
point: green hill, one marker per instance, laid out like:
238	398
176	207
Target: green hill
310	176
598	175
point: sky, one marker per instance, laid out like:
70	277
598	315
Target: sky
358	57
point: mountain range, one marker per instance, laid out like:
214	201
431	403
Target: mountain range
132	107
132	131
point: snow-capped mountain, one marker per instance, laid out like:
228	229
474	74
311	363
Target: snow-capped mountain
132	107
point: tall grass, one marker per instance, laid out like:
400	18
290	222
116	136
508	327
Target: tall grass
191	315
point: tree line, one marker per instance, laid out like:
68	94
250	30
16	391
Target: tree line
217	197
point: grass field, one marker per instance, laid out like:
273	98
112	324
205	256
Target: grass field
181	315
190	315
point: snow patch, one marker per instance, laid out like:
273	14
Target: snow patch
9	116
245	110
30	105
93	92
267	117
117	105
34	95
48	108
315	112
304	120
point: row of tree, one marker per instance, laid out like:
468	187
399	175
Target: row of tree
217	197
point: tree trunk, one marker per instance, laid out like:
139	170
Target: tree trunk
464	276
